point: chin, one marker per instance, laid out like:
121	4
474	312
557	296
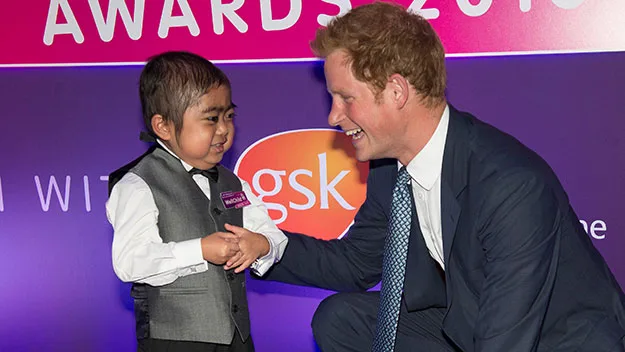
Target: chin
362	157
214	161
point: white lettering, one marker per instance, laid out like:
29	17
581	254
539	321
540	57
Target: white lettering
567	4
63	200
324	187
106	28
344	7
525	5
1	197
186	20
474	10
598	225
234	200
595	226
228	10
270	24
276	189
85	181
52	28
301	189
417	7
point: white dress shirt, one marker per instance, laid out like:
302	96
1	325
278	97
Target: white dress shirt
139	254
425	170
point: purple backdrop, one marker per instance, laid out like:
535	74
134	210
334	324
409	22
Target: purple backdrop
59	292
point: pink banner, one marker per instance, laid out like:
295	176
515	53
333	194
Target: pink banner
75	32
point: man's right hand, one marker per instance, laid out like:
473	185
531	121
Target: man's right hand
218	247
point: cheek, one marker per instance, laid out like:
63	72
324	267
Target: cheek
364	116
199	141
354	113
206	133
230	132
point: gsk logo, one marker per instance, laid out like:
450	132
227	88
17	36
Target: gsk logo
309	179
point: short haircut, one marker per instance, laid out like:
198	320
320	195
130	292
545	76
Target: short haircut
382	39
172	82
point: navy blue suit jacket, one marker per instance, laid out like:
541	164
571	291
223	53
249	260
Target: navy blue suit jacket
521	272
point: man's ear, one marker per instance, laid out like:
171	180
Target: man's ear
399	88
162	128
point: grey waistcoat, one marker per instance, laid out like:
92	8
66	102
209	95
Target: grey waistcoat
206	306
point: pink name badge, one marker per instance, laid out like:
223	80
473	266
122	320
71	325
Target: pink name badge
234	199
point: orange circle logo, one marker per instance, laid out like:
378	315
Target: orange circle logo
310	180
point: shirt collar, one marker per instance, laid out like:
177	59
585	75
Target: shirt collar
186	166
425	168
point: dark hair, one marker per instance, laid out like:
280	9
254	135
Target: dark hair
172	82
382	39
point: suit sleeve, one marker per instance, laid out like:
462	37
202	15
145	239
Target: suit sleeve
349	264
520	237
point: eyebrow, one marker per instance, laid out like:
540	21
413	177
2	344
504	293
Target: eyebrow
338	92
218	109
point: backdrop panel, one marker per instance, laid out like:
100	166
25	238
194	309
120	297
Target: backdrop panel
72	126
58	32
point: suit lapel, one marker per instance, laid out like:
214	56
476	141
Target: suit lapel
453	176
450	211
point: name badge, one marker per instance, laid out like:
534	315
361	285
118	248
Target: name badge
234	199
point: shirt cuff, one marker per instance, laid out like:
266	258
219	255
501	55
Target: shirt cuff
188	254
261	265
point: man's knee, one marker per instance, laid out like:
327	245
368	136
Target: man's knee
328	315
343	314
346	321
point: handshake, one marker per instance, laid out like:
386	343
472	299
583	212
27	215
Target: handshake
238	248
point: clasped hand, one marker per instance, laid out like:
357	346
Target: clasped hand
238	248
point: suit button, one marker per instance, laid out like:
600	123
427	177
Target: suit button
217	211
230	276
235	308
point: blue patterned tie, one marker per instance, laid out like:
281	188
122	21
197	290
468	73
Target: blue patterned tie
394	264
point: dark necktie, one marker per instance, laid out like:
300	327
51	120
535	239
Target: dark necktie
394	264
212	173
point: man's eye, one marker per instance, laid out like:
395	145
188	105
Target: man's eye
213	118
231	115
